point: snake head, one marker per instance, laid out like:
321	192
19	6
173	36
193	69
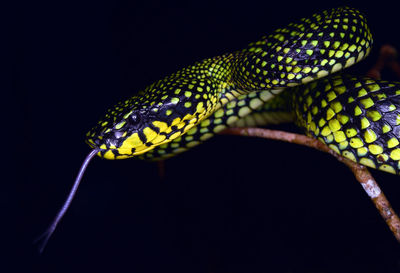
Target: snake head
156	116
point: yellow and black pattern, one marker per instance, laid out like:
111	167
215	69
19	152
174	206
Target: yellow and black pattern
309	49
174	106
357	117
163	111
253	109
263	103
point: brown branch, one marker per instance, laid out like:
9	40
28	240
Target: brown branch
387	58
360	172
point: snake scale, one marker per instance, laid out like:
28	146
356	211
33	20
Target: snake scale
292	74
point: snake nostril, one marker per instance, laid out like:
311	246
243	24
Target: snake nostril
118	134
134	118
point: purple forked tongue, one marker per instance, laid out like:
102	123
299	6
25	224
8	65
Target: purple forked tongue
44	238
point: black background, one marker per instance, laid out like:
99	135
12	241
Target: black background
231	205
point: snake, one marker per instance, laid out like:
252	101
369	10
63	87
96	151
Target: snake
294	74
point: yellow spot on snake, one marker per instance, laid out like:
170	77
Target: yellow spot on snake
374	115
109	155
219	128
158	139
352	48
326	131
365	123
290	76
149	133
162	126
362	92
330	113
321	122
119	125
219	113
362	151
350	61
306	69
206	136
244	111
349	155
334	147
337	106
351	132
370	136
357	111
334	125
231	120
368	102
175	135
356	142
339	54
393	142
322	73
342	118
339	136
175	100
375	149
331	95
336	67
367	162
255	103
176	121
343	145
395	154
132	141
200	107
387	168
192	144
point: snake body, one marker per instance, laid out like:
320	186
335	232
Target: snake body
293	74
357	117
285	76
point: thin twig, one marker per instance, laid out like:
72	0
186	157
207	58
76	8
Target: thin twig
361	173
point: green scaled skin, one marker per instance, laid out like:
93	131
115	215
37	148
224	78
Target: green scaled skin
196	102
357	117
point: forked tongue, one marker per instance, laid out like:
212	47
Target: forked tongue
44	238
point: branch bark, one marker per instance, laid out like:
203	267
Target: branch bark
361	173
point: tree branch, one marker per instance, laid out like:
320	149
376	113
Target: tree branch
361	173
387	58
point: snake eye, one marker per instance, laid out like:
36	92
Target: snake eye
134	120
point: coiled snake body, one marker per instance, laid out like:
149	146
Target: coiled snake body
193	104
285	76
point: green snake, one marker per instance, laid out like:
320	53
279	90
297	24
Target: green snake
288	75
191	105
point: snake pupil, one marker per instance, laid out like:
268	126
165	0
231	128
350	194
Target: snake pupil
135	120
